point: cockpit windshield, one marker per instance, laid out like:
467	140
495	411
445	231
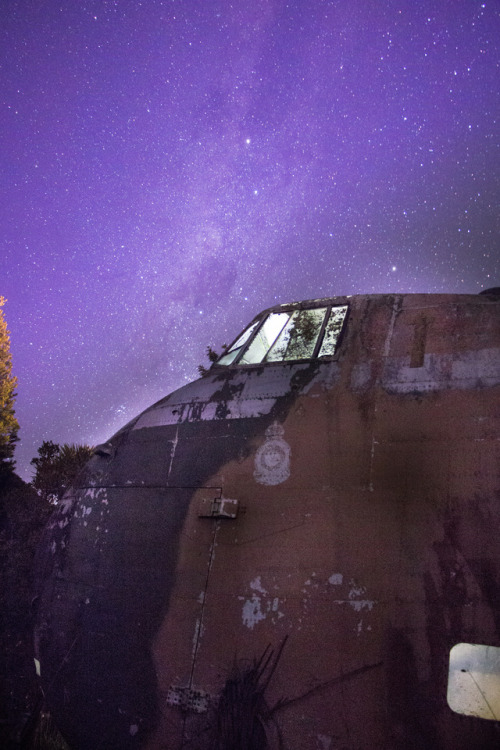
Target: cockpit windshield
288	336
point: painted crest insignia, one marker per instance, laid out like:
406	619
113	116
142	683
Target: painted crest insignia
272	460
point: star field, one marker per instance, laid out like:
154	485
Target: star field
171	167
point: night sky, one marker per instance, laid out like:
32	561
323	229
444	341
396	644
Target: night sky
171	167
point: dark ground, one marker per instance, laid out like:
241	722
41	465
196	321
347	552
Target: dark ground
23	721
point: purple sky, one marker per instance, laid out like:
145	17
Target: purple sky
171	167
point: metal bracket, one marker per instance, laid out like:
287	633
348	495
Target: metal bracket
221	507
188	699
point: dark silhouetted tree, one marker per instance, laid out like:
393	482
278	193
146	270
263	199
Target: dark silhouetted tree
213	356
56	468
9	425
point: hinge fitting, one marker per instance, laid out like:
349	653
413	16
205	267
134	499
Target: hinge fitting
188	699
221	507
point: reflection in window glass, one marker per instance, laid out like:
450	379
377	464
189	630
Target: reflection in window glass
233	352
288	336
332	332
474	681
226	359
265	338
298	338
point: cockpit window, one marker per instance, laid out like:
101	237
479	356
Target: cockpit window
288	336
298	338
332	331
232	353
265	338
474	680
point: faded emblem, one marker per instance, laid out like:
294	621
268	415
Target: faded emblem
272	460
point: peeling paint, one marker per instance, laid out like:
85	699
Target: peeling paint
257	608
324	742
252	613
359	604
249	397
464	371
356	590
172	452
196	635
66	505
336	579
256	585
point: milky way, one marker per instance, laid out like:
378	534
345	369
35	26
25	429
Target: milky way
171	168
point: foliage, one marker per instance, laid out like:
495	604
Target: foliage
46	735
243	718
9	425
57	467
305	327
213	356
22	518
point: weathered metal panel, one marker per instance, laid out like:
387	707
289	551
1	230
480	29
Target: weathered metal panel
348	507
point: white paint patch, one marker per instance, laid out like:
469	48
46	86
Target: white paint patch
356	600
172	453
356	591
198	632
133	730
359	604
260	605
256	585
66	505
252	612
324	742
336	579
272	460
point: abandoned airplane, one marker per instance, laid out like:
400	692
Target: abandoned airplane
299	550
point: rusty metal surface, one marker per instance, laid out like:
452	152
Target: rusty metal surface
350	507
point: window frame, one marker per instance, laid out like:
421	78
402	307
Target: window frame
461	696
300	307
